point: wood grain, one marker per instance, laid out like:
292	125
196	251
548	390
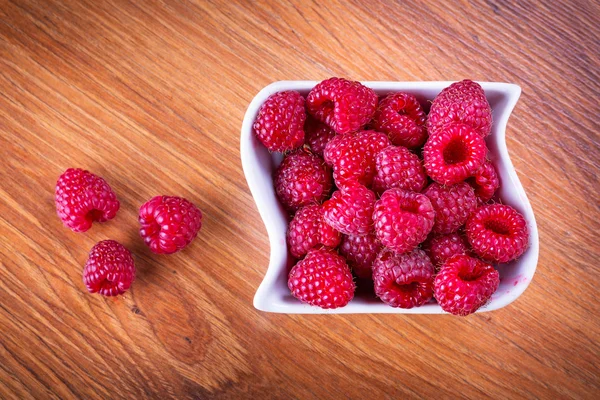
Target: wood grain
151	96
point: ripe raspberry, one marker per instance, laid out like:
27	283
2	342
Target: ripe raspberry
280	121
350	209
453	154
353	156
317	135
401	117
440	248
308	230
485	182
397	167
462	102
109	270
302	179
169	223
322	279
404	280
498	233
360	252
344	105
464	284
452	204
402	219
83	198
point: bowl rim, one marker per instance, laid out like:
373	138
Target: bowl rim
265	301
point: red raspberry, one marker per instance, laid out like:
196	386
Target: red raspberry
302	179
280	121
465	284
317	135
308	230
404	280
453	154
452	204
462	102
360	252
350	209
322	279
83	198
485	182
353	156
397	167
441	247
169	223
344	105
109	270
403	219
498	233
401	117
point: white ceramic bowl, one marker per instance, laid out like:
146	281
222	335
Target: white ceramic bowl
273	294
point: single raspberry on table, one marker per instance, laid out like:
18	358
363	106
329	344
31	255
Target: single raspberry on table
360	252
485	182
453	204
401	117
317	135
453	154
402	219
83	198
497	232
353	156
280	122
397	167
169	223
440	248
463	102
302	179
345	106
308	230
322	279
403	280
109	270
465	284
350	209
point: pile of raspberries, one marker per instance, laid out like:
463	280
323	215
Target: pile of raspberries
167	225
401	198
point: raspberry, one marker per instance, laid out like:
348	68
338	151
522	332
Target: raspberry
452	204
109	270
498	233
485	182
317	135
343	105
401	117
301	179
168	223
308	230
453	154
83	198
360	252
465	284
402	219
462	102
322	279
404	280
440	248
397	167
280	121
350	209
353	156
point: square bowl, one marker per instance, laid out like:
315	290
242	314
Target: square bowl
259	164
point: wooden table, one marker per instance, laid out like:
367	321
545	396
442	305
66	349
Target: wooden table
151	96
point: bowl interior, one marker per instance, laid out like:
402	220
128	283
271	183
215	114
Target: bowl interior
259	164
